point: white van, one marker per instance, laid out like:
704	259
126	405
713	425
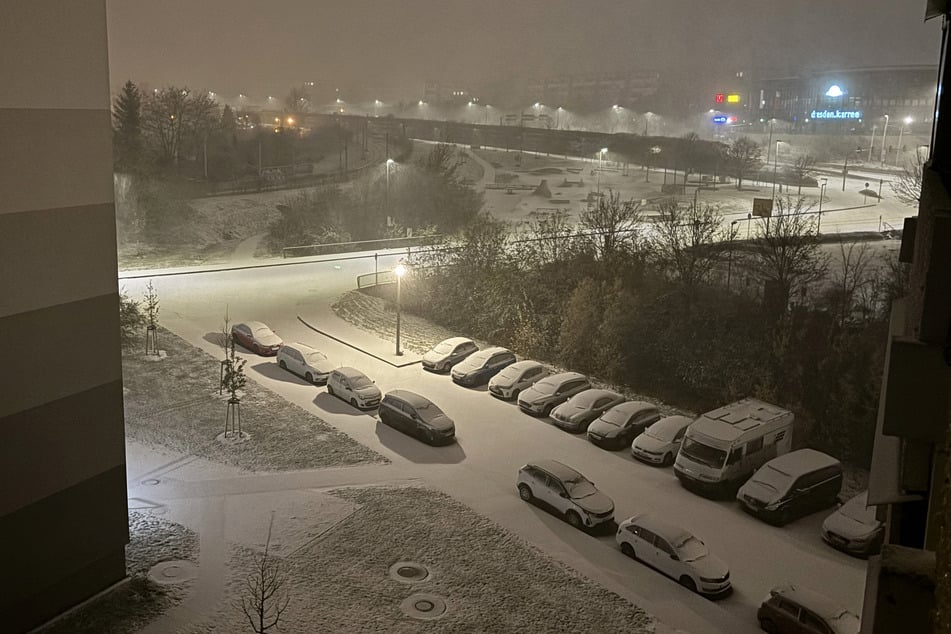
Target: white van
723	447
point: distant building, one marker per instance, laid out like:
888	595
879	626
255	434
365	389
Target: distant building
846	99
590	92
447	94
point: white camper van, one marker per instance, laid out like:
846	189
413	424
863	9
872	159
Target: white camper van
723	448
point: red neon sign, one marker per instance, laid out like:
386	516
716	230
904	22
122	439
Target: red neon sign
718	97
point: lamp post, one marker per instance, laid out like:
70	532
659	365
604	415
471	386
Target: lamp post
601	154
775	163
901	131
822	191
400	271
386	196
647	120
872	141
884	132
729	266
769	142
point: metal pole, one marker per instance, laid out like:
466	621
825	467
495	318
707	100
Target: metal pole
884	132
769	143
845	171
872	141
880	181
399	307
901	131
775	162
822	191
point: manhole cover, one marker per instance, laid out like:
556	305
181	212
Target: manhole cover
424	606
172	572
409	572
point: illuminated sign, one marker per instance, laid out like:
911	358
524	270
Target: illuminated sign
836	114
720	119
834	91
718	98
733	98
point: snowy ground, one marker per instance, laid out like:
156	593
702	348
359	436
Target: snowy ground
490	579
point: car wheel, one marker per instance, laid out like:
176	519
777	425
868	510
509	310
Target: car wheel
688	583
525	492
628	550
574	519
767	625
515	394
668	460
330	390
309	377
282	364
353	402
547	410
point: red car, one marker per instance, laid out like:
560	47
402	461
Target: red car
257	337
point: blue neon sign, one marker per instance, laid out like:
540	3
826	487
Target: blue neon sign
836	114
720	119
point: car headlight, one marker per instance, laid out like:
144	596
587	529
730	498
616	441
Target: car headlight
715	580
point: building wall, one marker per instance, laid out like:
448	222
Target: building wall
63	508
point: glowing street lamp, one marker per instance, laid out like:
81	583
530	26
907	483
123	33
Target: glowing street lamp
775	163
884	132
901	131
399	271
601	154
822	191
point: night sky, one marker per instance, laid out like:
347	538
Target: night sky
393	46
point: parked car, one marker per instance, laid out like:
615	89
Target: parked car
568	493
792	486
660	442
545	394
417	416
577	412
448	353
482	365
257	337
508	383
304	361
618	426
674	552
853	528
793	609
354	387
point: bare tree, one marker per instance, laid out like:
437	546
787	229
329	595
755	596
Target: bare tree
234	380
175	118
853	281
296	101
151	307
550	238
786	251
908	186
742	157
803	168
265	599
613	225
688	240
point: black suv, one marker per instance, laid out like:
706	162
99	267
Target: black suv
417	416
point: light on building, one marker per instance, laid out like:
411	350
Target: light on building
834	91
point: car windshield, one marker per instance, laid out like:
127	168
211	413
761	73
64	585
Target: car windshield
428	411
665	433
704	454
360	381
771	478
579	487
262	331
586	399
315	357
545	387
691	549
510	373
443	348
858	509
615	417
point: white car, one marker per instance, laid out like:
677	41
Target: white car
674	552
660	442
853	528
353	387
304	361
565	491
448	353
508	383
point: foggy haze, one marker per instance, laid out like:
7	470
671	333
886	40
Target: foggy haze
393	47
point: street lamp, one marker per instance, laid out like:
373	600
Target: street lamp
601	154
400	271
822	191
729	267
901	130
769	142
872	141
647	120
775	163
386	201
884	132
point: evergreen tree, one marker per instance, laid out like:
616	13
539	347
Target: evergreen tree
127	127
